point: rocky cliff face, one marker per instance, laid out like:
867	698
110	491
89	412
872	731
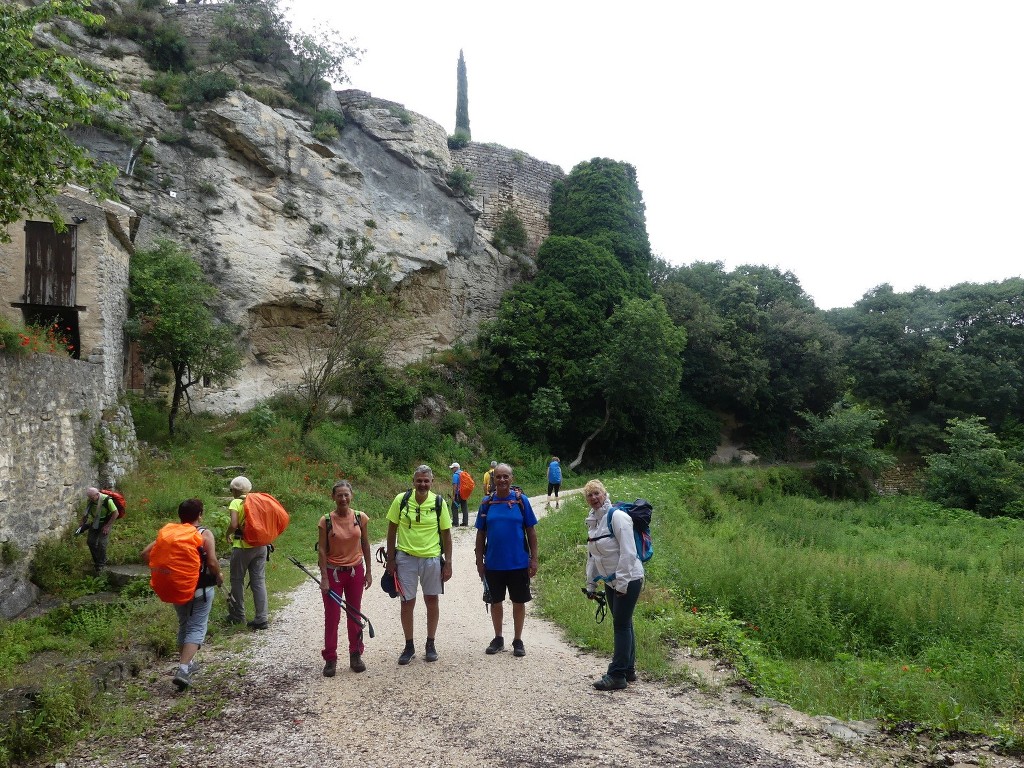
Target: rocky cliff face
261	203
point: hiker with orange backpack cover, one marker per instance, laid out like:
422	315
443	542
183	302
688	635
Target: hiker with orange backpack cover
100	514
245	559
185	572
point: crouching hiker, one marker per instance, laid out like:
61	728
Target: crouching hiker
343	551
184	571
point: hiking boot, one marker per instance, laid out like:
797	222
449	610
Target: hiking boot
193	667
407	655
497	645
431	652
258	624
330	667
631	676
609	683
182	679
355	661
518	649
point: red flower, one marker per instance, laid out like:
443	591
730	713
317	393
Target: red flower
694	609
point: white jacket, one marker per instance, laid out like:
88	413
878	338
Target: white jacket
612	558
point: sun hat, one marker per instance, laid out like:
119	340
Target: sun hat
454	465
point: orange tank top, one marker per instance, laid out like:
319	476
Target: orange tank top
343	539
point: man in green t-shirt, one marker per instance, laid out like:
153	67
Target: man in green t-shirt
99	517
245	560
419	554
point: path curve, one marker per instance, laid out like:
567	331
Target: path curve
467	709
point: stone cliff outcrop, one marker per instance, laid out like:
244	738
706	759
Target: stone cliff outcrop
261	203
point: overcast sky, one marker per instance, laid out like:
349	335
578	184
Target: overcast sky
852	144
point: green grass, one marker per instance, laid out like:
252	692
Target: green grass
898	609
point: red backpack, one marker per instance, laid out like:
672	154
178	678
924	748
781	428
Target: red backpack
265	518
119	501
175	562
466	485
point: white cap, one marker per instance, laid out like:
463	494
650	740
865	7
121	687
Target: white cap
241	483
454	465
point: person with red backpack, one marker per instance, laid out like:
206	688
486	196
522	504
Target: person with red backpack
185	572
245	559
100	514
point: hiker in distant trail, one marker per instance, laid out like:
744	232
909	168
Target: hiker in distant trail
343	551
489	479
194	613
612	558
99	517
506	555
554	478
245	559
458	503
419	553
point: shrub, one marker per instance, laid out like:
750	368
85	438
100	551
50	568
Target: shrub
458	140
461	182
114	52
169	87
324	132
272	97
404	115
510	233
332	117
207	86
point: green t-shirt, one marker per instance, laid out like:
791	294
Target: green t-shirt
417	524
238	505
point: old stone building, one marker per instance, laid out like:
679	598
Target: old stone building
55	409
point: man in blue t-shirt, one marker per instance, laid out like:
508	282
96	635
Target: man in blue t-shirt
506	555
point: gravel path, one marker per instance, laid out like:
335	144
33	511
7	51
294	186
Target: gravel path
269	704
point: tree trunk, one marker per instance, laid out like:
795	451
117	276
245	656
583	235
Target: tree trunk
179	391
579	457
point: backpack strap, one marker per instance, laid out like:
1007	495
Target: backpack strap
486	505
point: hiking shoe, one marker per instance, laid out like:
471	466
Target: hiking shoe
330	667
355	661
258	624
407	655
431	653
193	667
518	649
182	679
497	645
631	676
608	683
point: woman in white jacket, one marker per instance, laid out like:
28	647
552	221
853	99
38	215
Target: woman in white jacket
612	558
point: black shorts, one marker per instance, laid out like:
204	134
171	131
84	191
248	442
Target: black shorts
516	582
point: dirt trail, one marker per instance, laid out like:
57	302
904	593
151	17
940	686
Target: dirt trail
466	709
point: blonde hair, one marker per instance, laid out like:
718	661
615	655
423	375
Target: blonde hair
594	485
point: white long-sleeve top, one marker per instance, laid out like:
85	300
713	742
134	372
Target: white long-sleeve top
611	559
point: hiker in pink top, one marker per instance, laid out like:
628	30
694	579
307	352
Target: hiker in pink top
343	552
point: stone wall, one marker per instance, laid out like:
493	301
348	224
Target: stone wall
509	178
50	410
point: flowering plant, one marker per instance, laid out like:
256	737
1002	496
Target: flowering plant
51	339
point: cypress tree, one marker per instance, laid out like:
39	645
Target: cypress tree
462	100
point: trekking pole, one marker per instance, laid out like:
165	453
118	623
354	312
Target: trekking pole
356	616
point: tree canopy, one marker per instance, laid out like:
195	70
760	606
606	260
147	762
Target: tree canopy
174	325
44	93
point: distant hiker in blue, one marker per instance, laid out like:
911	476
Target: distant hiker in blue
457	501
506	555
554	478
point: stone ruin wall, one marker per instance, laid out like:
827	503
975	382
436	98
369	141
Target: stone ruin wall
51	408
509	178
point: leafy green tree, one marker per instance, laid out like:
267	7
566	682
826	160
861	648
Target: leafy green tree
843	446
256	30
462	100
171	319
43	94
353	327
757	348
600	201
322	56
976	473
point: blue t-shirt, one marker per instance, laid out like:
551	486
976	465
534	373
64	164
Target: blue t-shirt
455	478
554	472
505	549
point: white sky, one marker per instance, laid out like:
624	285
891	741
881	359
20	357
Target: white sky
853	144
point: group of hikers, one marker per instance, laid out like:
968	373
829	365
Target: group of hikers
417	556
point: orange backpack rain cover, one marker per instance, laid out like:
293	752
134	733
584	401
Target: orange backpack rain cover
265	519
466	485
174	562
